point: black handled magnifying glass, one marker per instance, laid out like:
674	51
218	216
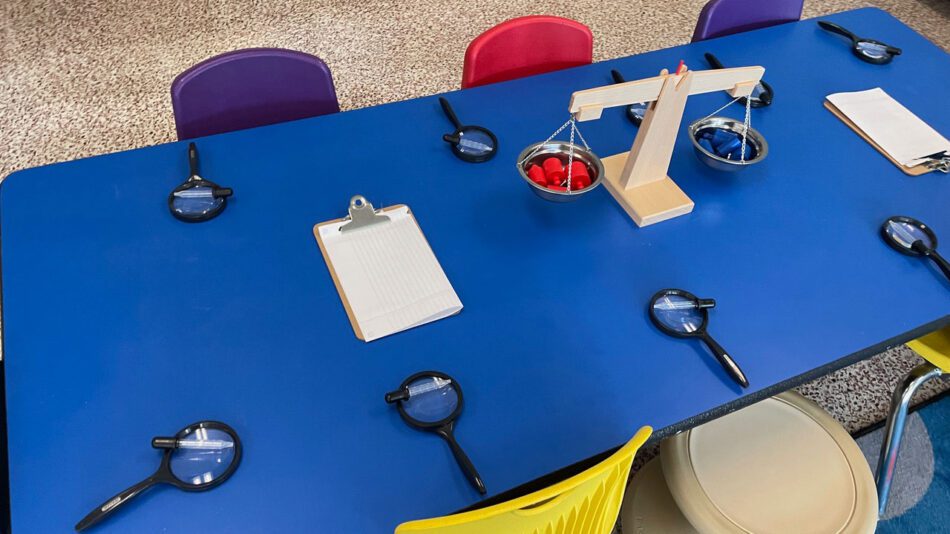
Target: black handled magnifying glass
914	238
199	457
866	49
197	199
473	144
432	401
681	314
635	112
762	93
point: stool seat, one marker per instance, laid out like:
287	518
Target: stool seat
781	465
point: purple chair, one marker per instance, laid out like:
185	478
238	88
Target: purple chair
248	88
725	17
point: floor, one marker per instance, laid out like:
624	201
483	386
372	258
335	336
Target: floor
920	491
85	78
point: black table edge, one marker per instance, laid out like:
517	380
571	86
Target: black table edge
578	467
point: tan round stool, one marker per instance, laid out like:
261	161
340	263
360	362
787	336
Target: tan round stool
782	465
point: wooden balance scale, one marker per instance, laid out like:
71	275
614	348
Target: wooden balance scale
637	179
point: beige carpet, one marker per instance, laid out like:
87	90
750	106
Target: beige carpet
79	78
83	78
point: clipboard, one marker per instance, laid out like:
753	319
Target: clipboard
421	292
916	170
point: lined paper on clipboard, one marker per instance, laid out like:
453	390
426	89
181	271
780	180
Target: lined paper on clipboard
905	139
385	272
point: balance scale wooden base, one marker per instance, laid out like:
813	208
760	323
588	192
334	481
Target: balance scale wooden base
647	203
641	184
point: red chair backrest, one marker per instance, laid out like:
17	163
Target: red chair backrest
525	46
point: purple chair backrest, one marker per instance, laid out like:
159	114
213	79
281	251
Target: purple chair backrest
248	88
725	17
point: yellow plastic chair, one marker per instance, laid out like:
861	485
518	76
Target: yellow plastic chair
935	350
587	503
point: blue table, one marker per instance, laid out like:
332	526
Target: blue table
122	323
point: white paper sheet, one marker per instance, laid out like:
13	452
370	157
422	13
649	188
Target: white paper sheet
900	133
391	278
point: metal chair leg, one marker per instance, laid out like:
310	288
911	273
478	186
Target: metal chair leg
896	420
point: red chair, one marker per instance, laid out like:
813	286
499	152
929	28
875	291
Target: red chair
526	46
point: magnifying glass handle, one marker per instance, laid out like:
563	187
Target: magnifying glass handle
115	502
193	159
726	361
940	261
767	94
222	192
467	466
834	28
713	61
398	395
450	113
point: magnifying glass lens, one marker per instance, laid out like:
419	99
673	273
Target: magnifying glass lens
638	110
678	313
475	142
431	399
872	50
202	456
196	202
905	234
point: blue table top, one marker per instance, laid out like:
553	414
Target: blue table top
122	323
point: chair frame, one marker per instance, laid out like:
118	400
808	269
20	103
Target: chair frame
896	423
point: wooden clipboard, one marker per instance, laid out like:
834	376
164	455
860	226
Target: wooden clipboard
916	170
336	280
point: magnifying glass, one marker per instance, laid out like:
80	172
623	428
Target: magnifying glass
866	49
914	238
432	401
197	199
681	314
635	112
199	457
473	144
762	93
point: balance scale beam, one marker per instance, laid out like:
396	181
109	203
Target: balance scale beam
637	179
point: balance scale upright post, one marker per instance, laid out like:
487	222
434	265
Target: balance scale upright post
638	179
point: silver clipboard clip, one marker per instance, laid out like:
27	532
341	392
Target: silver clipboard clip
938	162
362	214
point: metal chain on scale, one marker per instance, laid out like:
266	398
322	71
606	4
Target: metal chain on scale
572	122
746	124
